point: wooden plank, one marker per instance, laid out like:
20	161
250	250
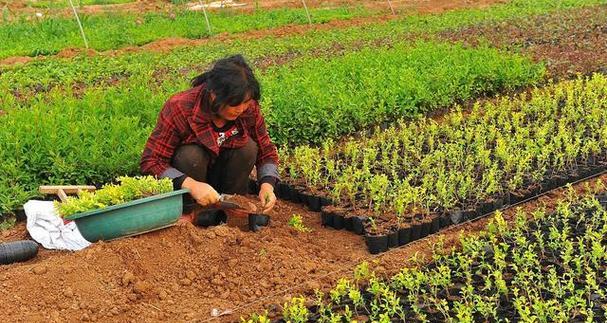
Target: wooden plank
68	189
62	195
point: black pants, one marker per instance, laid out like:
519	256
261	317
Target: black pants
227	173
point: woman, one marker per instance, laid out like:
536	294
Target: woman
208	138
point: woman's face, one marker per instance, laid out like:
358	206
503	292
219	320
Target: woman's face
231	113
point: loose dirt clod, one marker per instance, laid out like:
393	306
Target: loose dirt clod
248	204
127	278
39	270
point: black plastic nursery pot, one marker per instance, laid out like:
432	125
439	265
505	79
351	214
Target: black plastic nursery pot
262	219
515	197
470	214
256	221
349	223
393	239
444	220
210	218
455	216
282	190
560	180
327	218
377	243
338	221
358	224
486	207
416	231
498	203
404	236
425	230
548	184
288	193
298	196
324	202
313	202
435	225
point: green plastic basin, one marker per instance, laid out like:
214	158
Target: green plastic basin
131	218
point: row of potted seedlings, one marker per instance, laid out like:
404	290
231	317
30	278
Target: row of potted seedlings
413	179
544	267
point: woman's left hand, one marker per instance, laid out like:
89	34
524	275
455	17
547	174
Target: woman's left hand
267	197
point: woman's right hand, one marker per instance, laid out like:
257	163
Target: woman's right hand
203	193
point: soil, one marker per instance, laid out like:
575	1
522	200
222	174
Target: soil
184	272
252	205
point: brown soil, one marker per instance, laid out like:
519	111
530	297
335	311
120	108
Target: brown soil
570	42
16	60
184	272
251	204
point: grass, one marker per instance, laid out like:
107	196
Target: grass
48	36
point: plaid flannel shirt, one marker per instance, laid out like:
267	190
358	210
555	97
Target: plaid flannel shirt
184	120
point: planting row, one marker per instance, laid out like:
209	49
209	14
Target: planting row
100	70
47	36
407	181
106	129
43	4
543	267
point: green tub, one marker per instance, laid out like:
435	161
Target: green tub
132	218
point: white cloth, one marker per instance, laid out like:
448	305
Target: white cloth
47	228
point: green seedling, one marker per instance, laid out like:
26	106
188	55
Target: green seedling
296	222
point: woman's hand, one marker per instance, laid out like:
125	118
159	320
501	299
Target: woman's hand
267	197
203	193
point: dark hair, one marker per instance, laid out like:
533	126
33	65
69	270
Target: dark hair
231	80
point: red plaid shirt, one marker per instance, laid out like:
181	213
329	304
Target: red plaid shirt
184	120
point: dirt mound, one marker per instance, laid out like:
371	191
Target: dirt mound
16	60
179	273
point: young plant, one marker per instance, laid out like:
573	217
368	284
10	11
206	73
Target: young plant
295	310
296	222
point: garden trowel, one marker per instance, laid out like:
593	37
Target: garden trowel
226	202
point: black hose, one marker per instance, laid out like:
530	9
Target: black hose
17	251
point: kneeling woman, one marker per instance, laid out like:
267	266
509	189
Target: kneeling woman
208	138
